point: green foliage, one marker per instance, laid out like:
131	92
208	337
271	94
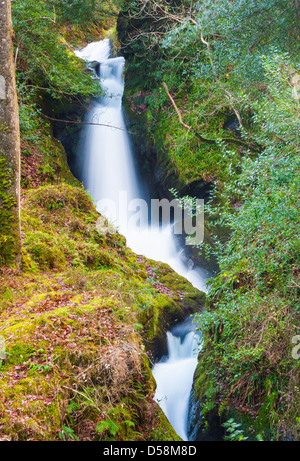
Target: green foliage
117	422
29	112
44	59
67	434
211	83
235	434
233	71
76	11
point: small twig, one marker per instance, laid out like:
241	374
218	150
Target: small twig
80	393
295	285
16	56
40	17
85	123
176	108
49	89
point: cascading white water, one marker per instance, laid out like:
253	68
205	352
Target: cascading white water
108	167
177	368
109	171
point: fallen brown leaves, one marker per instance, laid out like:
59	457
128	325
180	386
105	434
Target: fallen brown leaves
159	286
31	161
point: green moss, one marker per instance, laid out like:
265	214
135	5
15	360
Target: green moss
9	217
44	252
78	305
181	158
161	431
201	378
159	312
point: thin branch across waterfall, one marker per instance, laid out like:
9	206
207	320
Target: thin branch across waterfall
86	123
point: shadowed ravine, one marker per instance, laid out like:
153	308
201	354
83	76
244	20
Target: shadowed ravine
110	175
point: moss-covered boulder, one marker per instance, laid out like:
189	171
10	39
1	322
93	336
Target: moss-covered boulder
178	299
78	323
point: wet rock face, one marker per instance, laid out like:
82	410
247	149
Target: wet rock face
232	124
95	66
194	418
197	431
68	117
179	299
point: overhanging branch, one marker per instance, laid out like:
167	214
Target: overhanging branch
199	136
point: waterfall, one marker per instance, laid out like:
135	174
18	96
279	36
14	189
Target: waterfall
174	375
108	167
109	172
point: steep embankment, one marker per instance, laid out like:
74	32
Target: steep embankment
84	315
78	322
232	73
213	95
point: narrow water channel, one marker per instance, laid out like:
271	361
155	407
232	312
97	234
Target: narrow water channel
110	175
174	375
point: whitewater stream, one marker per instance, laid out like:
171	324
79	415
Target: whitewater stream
110	175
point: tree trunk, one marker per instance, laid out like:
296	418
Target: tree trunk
10	245
297	6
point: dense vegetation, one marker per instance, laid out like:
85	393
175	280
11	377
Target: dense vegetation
77	313
51	79
76	319
232	69
213	94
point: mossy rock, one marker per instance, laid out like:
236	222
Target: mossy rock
179	299
207	426
78	321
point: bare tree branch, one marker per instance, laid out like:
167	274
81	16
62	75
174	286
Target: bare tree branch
76	122
199	136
